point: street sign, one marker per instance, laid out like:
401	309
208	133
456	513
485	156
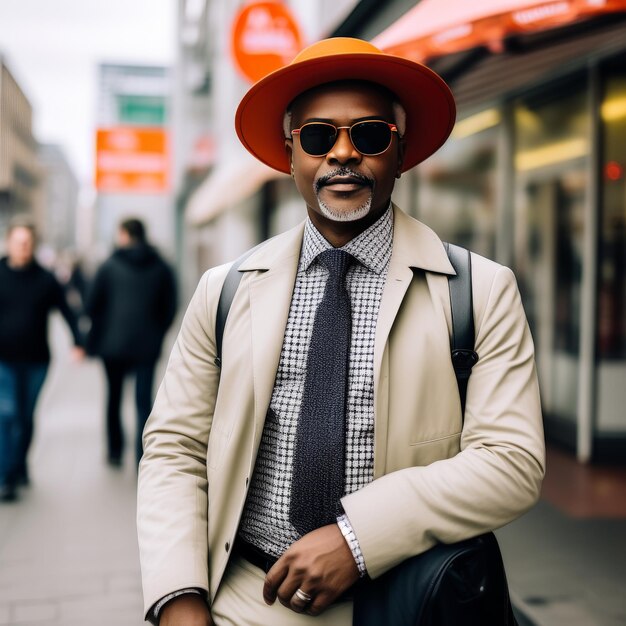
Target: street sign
265	37
132	160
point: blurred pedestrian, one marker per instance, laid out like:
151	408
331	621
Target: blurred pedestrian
69	271
131	303
28	294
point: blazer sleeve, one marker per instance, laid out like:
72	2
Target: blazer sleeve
172	505
497	474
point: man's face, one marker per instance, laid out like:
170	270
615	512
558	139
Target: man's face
344	185
123	238
20	247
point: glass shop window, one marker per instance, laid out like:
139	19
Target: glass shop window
612	249
456	191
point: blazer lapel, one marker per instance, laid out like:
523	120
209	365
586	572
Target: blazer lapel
274	269
415	246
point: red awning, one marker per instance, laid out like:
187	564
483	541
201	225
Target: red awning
438	27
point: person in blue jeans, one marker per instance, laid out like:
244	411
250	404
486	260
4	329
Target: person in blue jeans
28	294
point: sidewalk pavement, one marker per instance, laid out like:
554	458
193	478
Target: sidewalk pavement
68	549
566	558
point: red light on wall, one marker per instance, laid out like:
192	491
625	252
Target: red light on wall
613	171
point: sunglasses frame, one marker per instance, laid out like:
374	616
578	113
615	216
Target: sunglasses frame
392	127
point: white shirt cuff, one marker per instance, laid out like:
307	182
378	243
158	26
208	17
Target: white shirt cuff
156	609
353	543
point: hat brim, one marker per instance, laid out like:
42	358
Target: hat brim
427	99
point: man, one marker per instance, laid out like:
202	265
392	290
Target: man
131	304
244	517
28	294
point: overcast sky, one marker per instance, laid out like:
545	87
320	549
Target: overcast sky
53	47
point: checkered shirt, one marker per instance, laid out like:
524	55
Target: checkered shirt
265	521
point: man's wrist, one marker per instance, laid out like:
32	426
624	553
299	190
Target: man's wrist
353	543
155	611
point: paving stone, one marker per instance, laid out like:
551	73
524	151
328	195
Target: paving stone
5	614
566	571
105	606
36	613
68	548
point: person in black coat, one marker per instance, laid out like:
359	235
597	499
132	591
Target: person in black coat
28	294
131	303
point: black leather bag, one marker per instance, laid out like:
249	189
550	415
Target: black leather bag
459	584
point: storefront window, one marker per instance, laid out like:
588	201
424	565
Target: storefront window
612	270
456	187
551	174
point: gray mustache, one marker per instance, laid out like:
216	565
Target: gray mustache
341	171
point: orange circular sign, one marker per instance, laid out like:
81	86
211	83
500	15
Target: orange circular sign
265	38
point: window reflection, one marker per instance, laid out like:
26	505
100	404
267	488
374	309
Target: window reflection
612	273
551	156
456	186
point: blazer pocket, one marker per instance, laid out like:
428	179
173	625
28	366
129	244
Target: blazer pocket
444	447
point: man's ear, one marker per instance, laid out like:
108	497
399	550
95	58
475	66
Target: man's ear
289	151
401	151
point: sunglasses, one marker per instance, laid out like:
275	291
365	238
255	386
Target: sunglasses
370	137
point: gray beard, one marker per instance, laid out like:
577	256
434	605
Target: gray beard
343	216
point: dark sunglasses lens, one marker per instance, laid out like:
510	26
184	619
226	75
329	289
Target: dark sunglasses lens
371	137
317	139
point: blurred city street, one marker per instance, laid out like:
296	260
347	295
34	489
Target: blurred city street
566	558
127	171
68	548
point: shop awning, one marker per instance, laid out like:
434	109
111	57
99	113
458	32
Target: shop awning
437	27
231	182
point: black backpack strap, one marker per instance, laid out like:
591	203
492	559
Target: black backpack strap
461	302
229	289
462	343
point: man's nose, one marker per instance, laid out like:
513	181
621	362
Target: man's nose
343	151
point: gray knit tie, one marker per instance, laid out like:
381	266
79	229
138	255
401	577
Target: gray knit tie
319	460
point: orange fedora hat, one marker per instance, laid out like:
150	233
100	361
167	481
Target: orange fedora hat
428	101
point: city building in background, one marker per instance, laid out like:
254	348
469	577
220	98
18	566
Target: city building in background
226	199
533	175
19	170
133	161
59	192
194	148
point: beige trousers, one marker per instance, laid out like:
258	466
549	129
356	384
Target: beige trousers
239	602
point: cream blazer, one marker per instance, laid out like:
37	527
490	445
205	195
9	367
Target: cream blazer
433	479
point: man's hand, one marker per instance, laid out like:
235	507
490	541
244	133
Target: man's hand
320	565
187	610
77	354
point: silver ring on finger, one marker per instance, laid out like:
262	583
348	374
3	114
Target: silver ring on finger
303	595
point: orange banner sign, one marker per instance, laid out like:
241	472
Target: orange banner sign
132	160
439	27
265	37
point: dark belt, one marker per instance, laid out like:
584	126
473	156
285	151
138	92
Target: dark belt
253	555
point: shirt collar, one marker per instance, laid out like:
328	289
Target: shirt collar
372	248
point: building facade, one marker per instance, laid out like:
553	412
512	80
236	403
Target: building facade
226	200
59	197
19	171
533	177
133	153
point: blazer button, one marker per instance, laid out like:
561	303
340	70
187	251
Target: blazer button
227	546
